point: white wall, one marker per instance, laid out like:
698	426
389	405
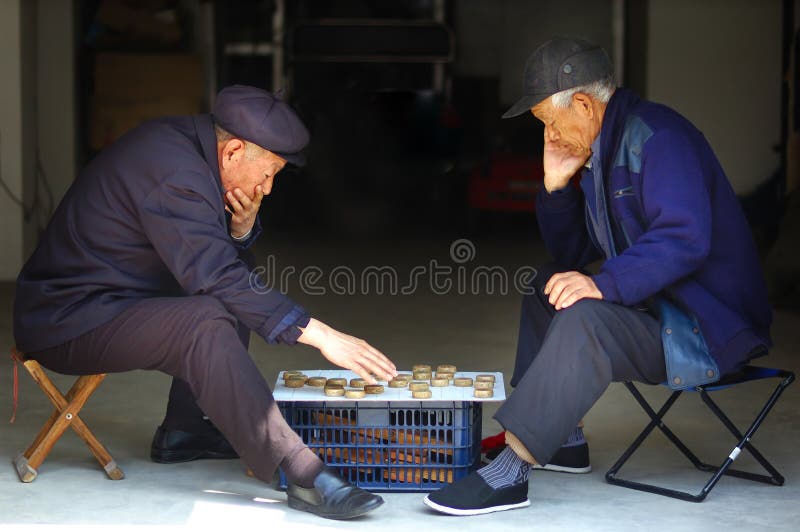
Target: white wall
37	101
11	120
718	62
56	93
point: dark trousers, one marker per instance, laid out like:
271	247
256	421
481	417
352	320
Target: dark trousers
566	359
182	410
195	340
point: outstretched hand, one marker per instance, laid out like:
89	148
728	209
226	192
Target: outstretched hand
348	352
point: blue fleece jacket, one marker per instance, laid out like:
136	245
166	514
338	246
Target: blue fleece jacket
667	196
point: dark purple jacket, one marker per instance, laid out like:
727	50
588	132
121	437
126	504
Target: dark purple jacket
669	197
144	219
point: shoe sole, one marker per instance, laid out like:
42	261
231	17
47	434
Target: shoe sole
179	457
477	511
564	469
305	507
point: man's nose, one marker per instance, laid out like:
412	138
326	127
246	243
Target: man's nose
267	186
551	133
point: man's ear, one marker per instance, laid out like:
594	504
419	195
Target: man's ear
582	103
232	152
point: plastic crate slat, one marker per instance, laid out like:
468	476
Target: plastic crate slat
418	475
367	457
364	443
399	436
391	446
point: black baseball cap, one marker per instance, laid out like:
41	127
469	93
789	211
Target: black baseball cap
262	118
560	64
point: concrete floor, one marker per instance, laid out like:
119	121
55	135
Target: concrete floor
476	332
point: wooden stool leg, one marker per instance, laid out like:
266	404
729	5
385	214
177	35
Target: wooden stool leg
25	472
65	415
42	433
66	410
91	382
100	453
43	449
53	417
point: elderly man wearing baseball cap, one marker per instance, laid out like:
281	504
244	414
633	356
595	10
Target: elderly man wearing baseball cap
141	268
679	295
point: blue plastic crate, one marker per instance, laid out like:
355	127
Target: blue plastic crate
391	446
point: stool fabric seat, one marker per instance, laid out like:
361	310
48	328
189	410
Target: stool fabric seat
65	415
746	374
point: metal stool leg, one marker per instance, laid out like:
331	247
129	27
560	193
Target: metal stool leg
724	469
656	421
744	439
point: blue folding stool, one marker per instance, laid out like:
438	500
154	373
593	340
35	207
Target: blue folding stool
748	373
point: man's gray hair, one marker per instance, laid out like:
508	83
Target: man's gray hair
601	90
223	135
252	151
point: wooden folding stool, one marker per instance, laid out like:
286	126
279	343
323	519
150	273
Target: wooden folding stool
65	415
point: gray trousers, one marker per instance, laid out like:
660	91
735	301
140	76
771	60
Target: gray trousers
566	359
193	339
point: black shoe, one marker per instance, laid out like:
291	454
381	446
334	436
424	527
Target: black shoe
175	446
573	459
332	497
472	496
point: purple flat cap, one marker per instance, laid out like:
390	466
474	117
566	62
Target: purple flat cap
262	118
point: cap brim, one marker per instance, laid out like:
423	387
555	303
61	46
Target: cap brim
524	105
298	159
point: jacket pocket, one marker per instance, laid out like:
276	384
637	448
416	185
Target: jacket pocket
625	191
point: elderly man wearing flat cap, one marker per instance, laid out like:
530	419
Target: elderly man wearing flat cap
679	295
141	268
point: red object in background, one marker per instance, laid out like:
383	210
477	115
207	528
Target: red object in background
507	183
493	442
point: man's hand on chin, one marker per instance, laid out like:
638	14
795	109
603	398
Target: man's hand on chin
243	209
561	162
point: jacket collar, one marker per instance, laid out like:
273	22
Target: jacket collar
204	125
617	111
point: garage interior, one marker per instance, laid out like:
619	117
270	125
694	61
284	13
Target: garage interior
408	159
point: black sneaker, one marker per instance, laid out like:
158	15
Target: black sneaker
574	459
473	496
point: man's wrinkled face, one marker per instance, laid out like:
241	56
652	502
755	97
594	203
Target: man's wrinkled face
246	167
570	128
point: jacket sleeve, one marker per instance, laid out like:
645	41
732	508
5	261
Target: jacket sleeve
183	228
677	232
246	243
562	222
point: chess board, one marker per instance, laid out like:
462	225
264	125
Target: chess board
445	393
